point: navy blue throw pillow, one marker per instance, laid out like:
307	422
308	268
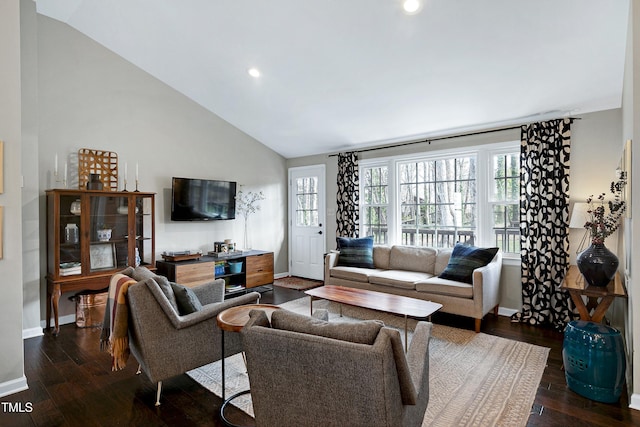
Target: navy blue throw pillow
355	252
186	299
464	259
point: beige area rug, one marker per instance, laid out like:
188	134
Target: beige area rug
475	379
297	283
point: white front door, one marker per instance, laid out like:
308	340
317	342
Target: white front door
307	241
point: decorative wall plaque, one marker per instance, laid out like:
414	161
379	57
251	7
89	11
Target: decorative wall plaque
104	163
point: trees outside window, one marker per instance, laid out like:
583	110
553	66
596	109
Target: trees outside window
470	197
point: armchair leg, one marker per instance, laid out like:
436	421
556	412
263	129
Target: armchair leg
139	371
158	393
478	322
495	310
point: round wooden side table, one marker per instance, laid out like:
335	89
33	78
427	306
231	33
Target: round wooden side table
233	319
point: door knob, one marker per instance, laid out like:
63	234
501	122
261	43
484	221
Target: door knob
320	232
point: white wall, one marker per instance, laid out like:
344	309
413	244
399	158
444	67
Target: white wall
11	351
630	117
596	147
30	173
91	98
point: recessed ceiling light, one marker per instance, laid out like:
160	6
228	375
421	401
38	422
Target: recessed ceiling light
254	72
411	7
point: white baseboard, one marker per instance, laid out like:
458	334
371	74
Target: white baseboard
64	320
635	402
13	386
281	275
32	332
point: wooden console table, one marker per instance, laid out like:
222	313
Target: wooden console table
257	270
598	298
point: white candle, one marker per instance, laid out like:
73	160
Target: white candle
136	171
125	171
65	173
55	164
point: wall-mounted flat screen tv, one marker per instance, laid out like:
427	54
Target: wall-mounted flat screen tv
202	199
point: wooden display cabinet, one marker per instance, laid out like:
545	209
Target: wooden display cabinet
79	255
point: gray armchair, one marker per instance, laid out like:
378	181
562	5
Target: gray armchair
305	371
166	344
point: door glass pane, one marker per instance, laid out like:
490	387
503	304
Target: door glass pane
70	209
143	214
307	202
108	232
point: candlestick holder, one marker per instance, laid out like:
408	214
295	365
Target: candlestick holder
136	190
56	179
125	185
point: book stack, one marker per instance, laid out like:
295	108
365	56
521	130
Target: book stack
70	268
219	268
233	288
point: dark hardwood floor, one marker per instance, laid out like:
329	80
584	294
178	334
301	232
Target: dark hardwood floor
70	384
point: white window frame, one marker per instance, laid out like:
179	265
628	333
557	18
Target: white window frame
391	194
492	200
484	200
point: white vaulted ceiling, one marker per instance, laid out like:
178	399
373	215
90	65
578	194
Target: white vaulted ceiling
344	74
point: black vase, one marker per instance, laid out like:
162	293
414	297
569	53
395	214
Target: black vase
597	264
94	182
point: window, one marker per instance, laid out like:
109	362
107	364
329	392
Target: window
505	190
375	203
438	201
469	196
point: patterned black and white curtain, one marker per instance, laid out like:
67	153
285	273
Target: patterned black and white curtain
348	197
544	222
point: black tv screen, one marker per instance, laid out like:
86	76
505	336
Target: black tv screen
202	199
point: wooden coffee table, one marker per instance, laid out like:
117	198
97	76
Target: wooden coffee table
379	301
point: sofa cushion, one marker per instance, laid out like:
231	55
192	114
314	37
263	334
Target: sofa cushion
355	252
437	285
398	278
355	274
412	258
187	300
464	259
442	260
362	332
381	256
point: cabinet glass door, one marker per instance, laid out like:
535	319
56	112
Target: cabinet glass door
69	236
144	230
108	232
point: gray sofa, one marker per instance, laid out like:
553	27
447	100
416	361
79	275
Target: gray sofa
309	372
413	272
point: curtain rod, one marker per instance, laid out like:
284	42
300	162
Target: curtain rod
439	138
